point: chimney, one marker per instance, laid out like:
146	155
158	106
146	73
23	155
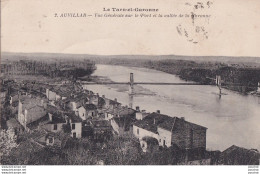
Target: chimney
66	119
116	99
183	118
50	117
103	96
137	108
158	111
42	102
97	95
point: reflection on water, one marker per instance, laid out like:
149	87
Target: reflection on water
231	119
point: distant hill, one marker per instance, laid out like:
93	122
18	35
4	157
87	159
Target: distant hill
57	56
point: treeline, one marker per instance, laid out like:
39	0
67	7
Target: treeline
63	68
120	151
116	151
237	77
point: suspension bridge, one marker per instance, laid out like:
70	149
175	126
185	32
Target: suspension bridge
218	82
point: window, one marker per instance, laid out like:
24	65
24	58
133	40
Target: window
74	134
137	131
92	113
55	127
50	140
73	126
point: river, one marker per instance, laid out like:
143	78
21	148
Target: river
232	119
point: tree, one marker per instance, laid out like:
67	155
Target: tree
7	141
66	128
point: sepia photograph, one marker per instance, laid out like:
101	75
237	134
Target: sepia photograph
130	83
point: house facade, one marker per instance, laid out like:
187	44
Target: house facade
50	94
30	110
55	122
14	97
87	111
75	123
122	120
171	131
122	125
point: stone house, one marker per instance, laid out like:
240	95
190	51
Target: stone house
111	104
14	107
50	93
122	121
87	111
3	94
122	125
14	97
171	131
55	123
14	125
75	123
30	110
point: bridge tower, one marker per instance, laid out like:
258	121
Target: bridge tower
131	87
218	83
130	100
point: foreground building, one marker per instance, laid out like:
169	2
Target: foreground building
169	131
30	110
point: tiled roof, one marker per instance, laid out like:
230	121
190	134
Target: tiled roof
29	102
28	146
36	123
90	107
63	93
154	120
73	117
78	98
13	123
15	103
124	122
38	94
113	102
124	111
14	93
51	109
100	123
151	121
101	101
57	118
35	107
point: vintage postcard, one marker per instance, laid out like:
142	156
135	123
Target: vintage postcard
118	82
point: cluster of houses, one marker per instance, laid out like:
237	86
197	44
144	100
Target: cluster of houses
46	110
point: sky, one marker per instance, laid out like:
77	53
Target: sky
233	28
